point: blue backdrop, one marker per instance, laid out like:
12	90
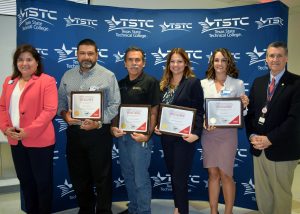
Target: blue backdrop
246	31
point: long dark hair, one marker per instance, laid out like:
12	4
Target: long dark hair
232	70
167	76
30	49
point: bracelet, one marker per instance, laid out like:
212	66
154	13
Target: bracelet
99	124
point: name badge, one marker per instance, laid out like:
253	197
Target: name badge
225	92
94	88
261	120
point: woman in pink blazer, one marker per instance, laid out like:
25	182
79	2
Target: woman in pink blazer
27	106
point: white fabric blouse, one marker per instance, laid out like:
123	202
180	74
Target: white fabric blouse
14	110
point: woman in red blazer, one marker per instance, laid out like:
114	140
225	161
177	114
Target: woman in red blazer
27	106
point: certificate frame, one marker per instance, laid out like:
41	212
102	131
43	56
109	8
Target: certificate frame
87	105
224	112
134	118
176	120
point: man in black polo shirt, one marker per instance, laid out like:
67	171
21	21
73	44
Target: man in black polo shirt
135	149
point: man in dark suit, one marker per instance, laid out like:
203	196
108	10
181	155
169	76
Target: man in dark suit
272	125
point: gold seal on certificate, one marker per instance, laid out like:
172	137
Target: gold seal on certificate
176	120
87	105
223	112
134	118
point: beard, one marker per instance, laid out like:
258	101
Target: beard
87	64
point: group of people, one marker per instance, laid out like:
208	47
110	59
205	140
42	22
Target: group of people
30	100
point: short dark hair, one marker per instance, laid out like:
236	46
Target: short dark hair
134	48
30	49
279	44
88	42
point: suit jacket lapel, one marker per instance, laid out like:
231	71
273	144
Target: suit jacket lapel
179	89
264	87
11	87
279	88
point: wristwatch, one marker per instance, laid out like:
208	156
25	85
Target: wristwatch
99	124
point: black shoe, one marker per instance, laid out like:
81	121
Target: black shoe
124	212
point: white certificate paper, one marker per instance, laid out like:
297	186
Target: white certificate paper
223	112
176	120
86	105
134	118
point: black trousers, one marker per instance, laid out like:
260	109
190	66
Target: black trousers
90	165
179	157
34	168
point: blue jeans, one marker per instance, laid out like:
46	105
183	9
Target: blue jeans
135	161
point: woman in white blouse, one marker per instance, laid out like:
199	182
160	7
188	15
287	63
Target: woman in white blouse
220	144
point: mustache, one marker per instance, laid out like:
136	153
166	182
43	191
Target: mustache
86	64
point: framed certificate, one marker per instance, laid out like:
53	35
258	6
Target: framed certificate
176	120
223	112
87	105
135	118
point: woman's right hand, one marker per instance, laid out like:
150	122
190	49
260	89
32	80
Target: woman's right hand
70	120
156	131
12	133
208	128
116	132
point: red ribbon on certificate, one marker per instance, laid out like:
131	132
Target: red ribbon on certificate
185	130
235	120
96	113
142	127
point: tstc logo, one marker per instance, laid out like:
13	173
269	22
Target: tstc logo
115	153
35	18
55	155
130	28
160	56
247	85
224	28
261	23
162	181
201	153
165	181
229	23
119	57
241	154
119	183
91	23
43	52
62	125
236	56
258	57
66	189
249	189
176	26
65	54
139	24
